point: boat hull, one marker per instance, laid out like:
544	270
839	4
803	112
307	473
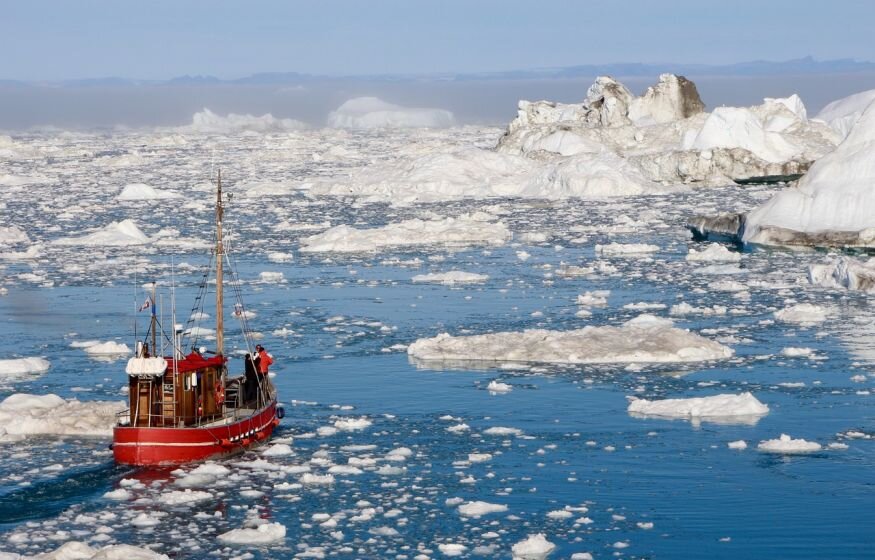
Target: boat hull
145	446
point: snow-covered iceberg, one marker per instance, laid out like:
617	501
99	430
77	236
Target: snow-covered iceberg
645	339
668	137
832	205
842	114
844	272
478	228
373	112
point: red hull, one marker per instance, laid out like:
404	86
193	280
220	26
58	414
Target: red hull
171	446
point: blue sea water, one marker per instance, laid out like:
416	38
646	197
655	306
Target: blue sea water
347	320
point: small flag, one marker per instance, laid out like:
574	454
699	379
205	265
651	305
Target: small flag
146	304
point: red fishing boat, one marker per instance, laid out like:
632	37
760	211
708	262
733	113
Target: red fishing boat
185	407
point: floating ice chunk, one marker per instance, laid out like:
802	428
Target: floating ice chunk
559	514
142	191
372	112
803	314
739	444
644	339
109	348
795	352
119	494
209	122
479	457
278	257
468	229
535	547
844	272
786	444
503	431
743	408
11	235
499	387
272	277
595	298
16	369
352	424
451	278
184	497
116	234
316	479
626	249
75	550
278	450
478	509
22	414
263	534
714	252
452	549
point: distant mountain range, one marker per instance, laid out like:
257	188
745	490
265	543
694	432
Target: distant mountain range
799	66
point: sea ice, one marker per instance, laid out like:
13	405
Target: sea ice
714	252
534	547
803	314
116	234
469	229
22	414
142	191
21	368
451	278
844	272
786	444
724	407
640	340
478	509
208	122
262	534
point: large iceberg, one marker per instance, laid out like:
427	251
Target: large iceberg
666	134
832	205
645	339
841	115
208	122
373	112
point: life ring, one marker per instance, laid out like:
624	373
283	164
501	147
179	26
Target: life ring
220	393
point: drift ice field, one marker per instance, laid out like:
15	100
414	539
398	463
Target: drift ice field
490	342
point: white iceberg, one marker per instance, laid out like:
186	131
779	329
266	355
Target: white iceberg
842	114
844	272
209	122
21	368
23	415
372	112
786	444
534	547
142	191
832	205
451	278
262	534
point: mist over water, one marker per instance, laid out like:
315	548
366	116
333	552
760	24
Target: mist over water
472	101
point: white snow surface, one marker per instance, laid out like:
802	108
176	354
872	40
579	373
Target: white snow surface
834	197
478	228
24	415
716	406
786	444
803	314
373	112
645	339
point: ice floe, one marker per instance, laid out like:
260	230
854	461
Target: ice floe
15	369
123	233
641	340
24	415
451	278
786	444
208	122
744	408
262	534
534	547
844	272
477	228
142	191
803	314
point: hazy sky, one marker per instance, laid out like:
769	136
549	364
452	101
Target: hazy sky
150	39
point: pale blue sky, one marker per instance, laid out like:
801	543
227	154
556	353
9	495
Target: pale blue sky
55	40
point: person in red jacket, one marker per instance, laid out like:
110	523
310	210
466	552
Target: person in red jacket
264	360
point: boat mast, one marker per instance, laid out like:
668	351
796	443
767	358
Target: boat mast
154	323
220	255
